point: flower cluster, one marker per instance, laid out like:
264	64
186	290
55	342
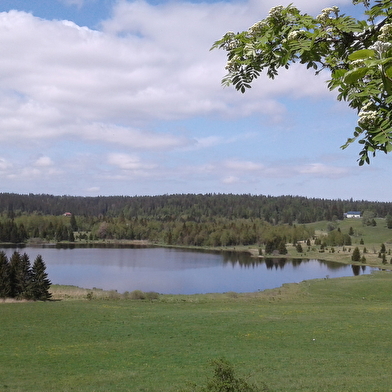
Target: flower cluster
231	41
295	35
381	48
276	12
357	63
326	13
232	64
367	117
386	33
257	27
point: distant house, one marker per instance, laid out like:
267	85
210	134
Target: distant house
67	214
352	214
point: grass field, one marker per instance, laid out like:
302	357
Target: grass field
321	335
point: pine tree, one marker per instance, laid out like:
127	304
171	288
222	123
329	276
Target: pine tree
356	256
5	284
40	281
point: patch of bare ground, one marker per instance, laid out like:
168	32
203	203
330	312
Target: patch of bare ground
12	300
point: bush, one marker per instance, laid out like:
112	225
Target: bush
225	380
137	294
152	295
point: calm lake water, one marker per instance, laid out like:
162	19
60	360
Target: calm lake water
173	271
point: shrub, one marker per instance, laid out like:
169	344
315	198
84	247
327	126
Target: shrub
137	294
90	295
152	295
225	380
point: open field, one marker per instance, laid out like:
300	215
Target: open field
321	335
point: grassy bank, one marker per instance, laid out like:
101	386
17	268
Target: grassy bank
321	335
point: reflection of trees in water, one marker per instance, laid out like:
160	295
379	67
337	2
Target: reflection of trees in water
246	261
358	268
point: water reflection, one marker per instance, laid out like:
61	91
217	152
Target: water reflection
178	271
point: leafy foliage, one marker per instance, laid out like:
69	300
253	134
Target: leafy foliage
357	53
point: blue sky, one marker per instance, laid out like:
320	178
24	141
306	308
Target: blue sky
107	97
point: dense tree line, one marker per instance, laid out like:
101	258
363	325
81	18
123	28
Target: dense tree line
216	232
21	280
191	207
188	220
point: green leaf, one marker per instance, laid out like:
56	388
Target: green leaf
355	74
388	73
362	54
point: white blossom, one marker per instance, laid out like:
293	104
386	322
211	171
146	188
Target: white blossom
294	35
381	47
326	13
386	33
275	12
358	63
367	117
257	27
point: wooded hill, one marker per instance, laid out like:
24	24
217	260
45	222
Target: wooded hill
211	220
192	207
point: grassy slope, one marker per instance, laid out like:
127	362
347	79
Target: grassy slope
373	237
322	335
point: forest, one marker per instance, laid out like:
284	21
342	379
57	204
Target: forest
180	219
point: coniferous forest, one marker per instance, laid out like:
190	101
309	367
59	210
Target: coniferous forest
21	280
182	219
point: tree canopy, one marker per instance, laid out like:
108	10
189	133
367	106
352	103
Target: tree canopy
357	53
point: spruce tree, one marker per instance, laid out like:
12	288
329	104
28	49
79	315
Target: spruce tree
14	265
20	276
40	282
356	256
5	283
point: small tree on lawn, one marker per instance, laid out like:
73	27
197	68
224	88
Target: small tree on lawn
356	256
40	282
225	380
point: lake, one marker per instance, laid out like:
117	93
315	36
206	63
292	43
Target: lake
174	271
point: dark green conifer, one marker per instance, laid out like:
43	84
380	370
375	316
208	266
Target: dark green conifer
5	283
20	276
40	282
74	225
356	256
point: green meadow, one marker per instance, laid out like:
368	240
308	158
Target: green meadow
319	335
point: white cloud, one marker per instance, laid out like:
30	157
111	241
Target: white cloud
133	87
43	162
4	164
145	65
230	180
244	166
129	163
323	170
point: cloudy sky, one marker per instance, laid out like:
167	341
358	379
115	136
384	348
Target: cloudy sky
117	97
